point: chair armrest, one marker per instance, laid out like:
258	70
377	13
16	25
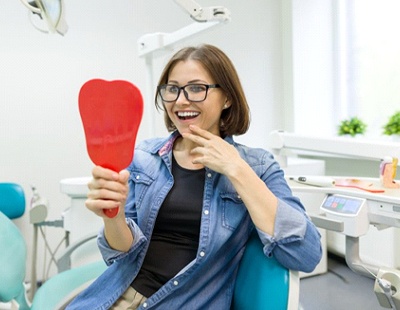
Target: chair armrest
294	290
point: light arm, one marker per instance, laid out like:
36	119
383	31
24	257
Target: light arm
200	14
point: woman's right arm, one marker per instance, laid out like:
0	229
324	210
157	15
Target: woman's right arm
109	189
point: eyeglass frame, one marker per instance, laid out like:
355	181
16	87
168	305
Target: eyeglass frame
185	93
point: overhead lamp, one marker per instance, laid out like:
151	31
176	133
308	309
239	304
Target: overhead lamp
49	15
205	18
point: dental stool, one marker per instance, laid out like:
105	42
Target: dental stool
262	283
56	292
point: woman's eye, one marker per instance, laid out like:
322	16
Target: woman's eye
172	89
197	88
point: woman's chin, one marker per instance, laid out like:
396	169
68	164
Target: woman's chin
184	130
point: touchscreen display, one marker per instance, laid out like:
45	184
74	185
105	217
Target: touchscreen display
341	204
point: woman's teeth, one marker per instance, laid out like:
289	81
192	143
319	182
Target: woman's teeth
187	115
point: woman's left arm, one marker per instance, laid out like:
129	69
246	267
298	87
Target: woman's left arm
220	156
272	216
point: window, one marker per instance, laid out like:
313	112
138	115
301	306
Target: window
369	61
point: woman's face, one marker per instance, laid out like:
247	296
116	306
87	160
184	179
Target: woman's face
205	114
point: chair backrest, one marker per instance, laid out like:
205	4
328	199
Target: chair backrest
12	200
262	283
12	262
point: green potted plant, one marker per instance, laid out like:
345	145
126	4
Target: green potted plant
353	126
392	127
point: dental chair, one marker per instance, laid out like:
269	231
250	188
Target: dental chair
56	292
262	283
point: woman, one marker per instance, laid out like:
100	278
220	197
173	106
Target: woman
189	202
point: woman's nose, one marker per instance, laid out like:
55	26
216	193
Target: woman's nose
182	98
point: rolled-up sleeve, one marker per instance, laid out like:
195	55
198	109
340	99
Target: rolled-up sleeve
109	254
296	242
290	225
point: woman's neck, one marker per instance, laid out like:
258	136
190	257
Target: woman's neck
183	156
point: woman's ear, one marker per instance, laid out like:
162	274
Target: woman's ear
227	104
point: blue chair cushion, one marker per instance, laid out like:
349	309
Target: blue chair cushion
262	282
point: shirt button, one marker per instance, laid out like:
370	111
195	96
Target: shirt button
209	175
206	212
176	283
202	253
137	177
145	305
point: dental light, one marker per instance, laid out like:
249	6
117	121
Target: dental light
205	18
200	14
47	15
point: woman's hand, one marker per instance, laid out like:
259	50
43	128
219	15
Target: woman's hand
107	190
213	152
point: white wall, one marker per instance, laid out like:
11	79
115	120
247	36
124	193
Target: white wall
41	135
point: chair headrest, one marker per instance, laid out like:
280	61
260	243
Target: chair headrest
12	200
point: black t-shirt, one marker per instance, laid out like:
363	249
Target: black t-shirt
175	238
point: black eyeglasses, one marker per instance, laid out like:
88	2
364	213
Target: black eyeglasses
192	92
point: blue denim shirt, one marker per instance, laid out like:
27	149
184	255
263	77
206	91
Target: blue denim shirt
208	281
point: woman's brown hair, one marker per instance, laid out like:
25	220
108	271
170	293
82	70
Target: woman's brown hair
235	120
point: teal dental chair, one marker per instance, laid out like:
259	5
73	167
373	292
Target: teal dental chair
56	292
262	283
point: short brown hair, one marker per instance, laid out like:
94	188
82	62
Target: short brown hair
236	119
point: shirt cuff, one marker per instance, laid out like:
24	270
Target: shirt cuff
109	254
290	226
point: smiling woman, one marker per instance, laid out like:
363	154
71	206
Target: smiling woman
199	105
194	198
225	79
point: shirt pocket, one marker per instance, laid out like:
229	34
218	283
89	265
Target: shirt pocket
233	210
142	183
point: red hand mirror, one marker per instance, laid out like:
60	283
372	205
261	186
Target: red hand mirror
111	112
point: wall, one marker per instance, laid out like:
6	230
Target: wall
41	135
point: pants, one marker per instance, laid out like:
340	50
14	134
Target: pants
130	300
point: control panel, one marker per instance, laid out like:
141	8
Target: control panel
352	211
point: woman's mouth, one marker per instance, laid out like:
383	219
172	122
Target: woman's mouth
185	115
